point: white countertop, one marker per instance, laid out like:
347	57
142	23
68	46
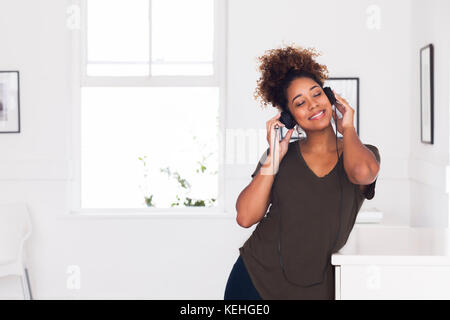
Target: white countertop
395	245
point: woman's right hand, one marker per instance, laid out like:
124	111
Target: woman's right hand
281	147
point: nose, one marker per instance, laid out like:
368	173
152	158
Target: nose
314	107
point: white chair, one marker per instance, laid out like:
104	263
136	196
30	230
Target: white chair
15	228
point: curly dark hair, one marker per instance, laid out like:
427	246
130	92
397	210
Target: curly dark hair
282	65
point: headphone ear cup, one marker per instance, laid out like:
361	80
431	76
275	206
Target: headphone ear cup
287	119
329	93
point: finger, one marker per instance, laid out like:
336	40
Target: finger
288	135
269	125
335	116
280	124
274	123
276	116
270	121
343	103
341	100
339	105
338	97
335	94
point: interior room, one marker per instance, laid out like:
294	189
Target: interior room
129	130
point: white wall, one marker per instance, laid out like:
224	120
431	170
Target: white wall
428	163
157	258
338	30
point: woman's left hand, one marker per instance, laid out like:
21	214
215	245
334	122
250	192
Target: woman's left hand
347	114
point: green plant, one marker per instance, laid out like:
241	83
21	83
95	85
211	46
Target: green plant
188	202
182	182
148	199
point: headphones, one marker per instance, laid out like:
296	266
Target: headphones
288	120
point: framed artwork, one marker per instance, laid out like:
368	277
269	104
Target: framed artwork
348	88
426	94
9	102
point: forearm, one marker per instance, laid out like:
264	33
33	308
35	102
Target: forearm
359	161
254	200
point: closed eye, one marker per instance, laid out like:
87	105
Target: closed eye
298	105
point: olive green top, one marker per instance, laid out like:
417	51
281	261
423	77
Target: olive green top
309	223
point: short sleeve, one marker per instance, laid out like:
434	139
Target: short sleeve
370	191
374	150
260	162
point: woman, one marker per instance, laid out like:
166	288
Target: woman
315	186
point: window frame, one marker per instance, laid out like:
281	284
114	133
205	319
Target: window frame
80	79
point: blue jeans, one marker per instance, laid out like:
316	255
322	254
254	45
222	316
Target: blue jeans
239	285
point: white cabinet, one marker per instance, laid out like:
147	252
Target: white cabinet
390	262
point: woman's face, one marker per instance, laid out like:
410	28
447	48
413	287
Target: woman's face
305	99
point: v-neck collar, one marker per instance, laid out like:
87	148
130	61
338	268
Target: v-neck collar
300	156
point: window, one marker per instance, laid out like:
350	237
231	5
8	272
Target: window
122	33
150	99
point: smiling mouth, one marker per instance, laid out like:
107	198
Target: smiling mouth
318	116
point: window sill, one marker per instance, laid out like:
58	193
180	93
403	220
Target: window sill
162	213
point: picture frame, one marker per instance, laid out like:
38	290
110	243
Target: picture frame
9	102
348	88
427	94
